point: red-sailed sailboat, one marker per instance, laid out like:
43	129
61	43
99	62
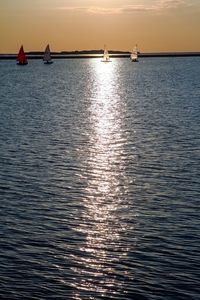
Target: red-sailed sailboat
21	58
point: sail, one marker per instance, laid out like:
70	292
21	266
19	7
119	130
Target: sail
47	54
21	58
106	57
134	54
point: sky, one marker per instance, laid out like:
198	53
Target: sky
155	25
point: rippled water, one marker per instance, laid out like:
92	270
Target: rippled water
100	180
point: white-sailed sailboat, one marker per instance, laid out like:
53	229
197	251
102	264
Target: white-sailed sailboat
47	56
134	54
106	57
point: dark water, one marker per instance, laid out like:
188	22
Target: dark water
100	179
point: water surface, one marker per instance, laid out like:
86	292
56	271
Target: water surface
99	179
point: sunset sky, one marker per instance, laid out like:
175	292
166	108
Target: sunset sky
155	25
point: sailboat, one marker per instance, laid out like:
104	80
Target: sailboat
21	57
47	56
106	57
134	54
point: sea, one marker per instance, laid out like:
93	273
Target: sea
100	179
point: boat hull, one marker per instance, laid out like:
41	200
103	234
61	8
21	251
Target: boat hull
20	63
48	62
106	60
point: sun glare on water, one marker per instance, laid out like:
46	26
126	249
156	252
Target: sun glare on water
103	202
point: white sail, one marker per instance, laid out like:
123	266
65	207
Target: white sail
134	54
106	57
47	54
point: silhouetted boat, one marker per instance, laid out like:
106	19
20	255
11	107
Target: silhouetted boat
134	54
47	56
106	57
21	58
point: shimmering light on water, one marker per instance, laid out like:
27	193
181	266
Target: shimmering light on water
101	222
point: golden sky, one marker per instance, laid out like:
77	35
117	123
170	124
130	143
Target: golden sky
155	25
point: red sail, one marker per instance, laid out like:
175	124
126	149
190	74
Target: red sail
21	58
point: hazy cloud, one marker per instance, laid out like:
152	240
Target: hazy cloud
159	5
167	4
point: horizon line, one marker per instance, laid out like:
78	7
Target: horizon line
87	54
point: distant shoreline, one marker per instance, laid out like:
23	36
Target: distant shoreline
96	54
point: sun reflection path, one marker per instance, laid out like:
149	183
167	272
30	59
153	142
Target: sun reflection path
103	221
